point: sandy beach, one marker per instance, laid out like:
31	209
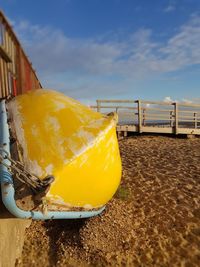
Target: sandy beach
153	220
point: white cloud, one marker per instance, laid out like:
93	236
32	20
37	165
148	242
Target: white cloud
187	101
168	99
52	51
169	8
135	57
182	49
195	100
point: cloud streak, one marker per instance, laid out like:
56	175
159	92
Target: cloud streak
52	51
135	57
169	8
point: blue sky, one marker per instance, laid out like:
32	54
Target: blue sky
89	49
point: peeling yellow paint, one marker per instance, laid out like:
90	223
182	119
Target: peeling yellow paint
62	137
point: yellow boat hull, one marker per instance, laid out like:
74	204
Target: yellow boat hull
61	137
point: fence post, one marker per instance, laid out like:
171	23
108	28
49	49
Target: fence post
176	117
143	116
139	117
195	120
171	118
98	106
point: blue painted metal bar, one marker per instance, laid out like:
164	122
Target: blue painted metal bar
7	187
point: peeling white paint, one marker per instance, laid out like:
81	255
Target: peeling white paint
59	105
34	130
34	167
85	135
49	169
79	143
52	122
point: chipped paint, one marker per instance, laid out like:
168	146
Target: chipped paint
70	141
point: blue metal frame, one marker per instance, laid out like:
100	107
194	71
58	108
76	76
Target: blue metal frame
8	191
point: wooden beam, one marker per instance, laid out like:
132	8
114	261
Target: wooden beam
116	101
195	120
98	106
5	55
139	116
176	117
114	107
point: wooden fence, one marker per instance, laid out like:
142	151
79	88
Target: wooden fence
16	72
152	116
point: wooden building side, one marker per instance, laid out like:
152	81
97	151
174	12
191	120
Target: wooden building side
16	72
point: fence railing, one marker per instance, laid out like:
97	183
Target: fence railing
153	116
16	71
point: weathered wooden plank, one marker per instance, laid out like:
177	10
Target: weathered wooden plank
114	107
150	129
148	102
4	54
12	57
176	117
2	78
189	131
170	103
139	116
128	128
116	101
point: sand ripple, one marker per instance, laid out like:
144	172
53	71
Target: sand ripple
154	219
